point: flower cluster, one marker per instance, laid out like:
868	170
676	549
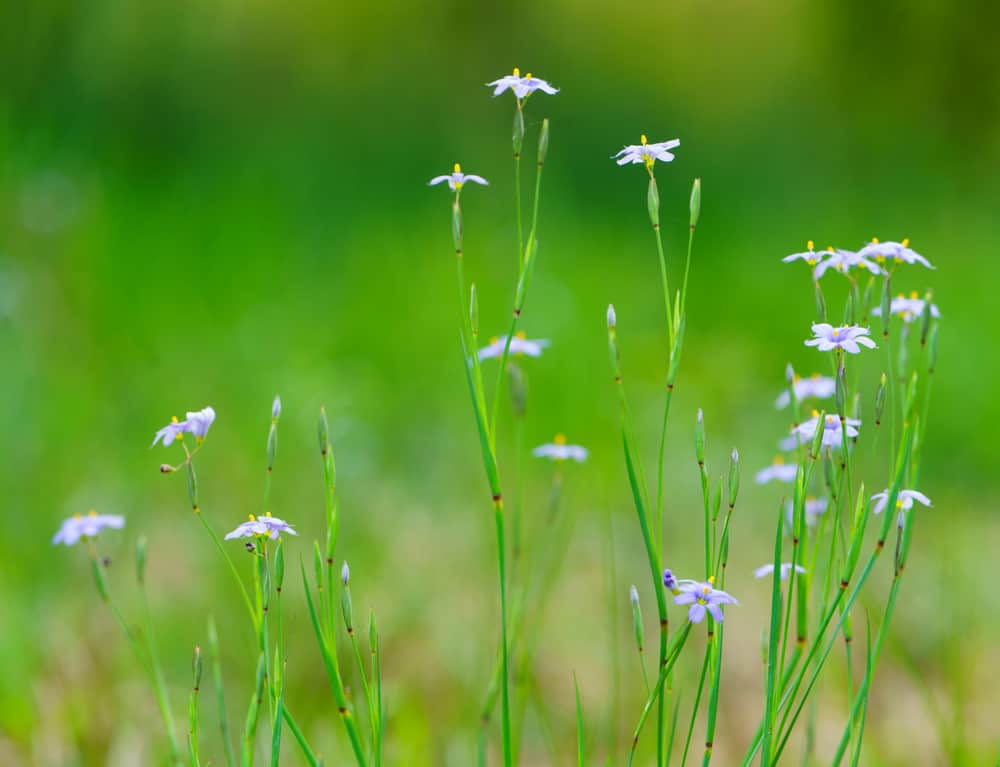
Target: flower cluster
831	426
871	258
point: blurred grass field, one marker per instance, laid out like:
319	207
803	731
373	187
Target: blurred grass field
210	203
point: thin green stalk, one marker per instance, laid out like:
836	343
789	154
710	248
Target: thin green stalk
156	675
504	691
581	758
232	567
697	703
193	711
770	693
220	698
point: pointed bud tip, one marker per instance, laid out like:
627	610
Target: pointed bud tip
612	317
276	407
345	573
633	595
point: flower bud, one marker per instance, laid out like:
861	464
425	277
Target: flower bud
323	431
612	317
841	389
474	309
192	485
279	567
734	477
372	632
456	225
695	204
518	390
543	142
790	374
345	573
346	606
699	438
196	667
925	320
880	397
272	444
636	616
318	565
933	345
885	303
669	580
166	468
653	203
517	135
276	408
820	302
100	579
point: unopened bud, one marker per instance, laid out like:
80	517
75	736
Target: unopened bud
276	408
543	142
636	616
695	204
734	477
196	667
699	438
669	580
653	203
517	135
612	317
166	468
880	397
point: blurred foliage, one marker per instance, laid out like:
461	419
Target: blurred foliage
210	202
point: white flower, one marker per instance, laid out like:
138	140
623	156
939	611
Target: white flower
809	255
646	153
786	568
264	527
779	470
908	308
558	450
900	252
196	423
457	179
86	526
904	502
814	387
522	86
519	345
832	436
843	261
846	337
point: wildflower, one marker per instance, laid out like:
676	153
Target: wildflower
813	387
786	568
522	86
263	527
702	596
900	252
86	526
345	573
810	256
646	153
904	502
457	179
843	261
779	470
196	423
846	338
832	436
558	450
909	308
670	581
520	344
814	507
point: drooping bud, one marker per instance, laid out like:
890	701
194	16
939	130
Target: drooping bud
669	581
166	468
695	204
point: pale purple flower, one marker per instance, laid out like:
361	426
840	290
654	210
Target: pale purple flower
779	470
814	387
904	502
786	568
846	337
457	179
669	580
558	450
519	345
843	261
86	526
900	252
814	507
810	256
832	436
909	308
196	423
262	527
702	596
646	153
521	86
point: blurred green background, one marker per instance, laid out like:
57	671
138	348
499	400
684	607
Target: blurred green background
210	202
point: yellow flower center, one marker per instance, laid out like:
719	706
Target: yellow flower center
913	294
251	517
494	339
559	439
906	242
815	414
458	168
517	72
711	579
521	335
527	76
880	259
779	460
874	240
809	245
642	139
91	513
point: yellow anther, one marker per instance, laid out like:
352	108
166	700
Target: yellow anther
914	294
517	72
900	296
494	339
559	439
815	414
779	460
815	376
796	378
173	419
880	259
78	516
711	579
906	242
521	334
527	76
811	261
267	514
874	240
642	139
458	168
92	513
251	517
809	245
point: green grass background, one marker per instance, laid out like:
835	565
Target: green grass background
211	202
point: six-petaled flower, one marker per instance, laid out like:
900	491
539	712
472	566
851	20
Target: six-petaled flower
196	423
646	153
908	307
843	261
87	525
520	345
813	387
832	434
786	568
846	338
810	255
904	502
558	450
521	86
261	527
779	470
456	180
702	596
900	252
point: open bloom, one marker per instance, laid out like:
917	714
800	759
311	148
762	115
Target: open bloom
814	507
832	436
522	86
904	502
847	337
786	568
810	256
520	344
702	596
779	470
813	387
909	308
457	179
262	527
196	423
646	153
86	526
558	450
900	252
843	261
